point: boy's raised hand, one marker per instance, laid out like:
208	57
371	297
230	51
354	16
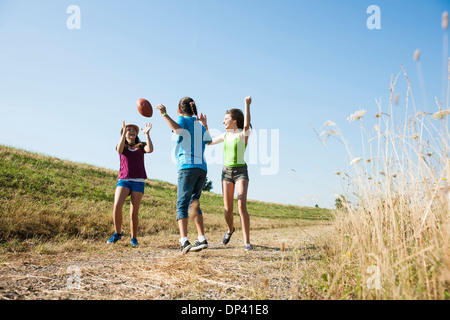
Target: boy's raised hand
248	100
161	108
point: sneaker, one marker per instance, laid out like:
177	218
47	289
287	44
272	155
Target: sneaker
227	236
248	247
134	242
114	238
184	248
199	245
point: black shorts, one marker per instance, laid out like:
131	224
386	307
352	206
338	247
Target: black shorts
233	174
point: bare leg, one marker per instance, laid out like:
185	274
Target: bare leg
119	199
241	189
182	226
228	198
136	198
198	218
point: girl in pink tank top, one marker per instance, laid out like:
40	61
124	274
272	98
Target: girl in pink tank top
131	179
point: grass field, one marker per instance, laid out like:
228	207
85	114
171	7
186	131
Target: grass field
57	214
47	198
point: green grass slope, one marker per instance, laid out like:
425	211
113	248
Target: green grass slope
47	198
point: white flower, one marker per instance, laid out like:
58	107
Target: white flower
357	115
355	161
441	114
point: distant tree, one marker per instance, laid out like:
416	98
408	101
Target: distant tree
208	185
338	203
316	205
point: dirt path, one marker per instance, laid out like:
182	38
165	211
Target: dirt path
156	270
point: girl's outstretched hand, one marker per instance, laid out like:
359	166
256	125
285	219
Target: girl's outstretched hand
161	108
248	100
123	124
147	128
203	120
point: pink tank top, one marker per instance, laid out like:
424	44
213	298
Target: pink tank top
132	165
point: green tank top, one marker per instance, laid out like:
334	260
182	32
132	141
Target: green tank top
233	152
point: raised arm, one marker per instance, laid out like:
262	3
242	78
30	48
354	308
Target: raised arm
149	147
247	118
172	124
121	144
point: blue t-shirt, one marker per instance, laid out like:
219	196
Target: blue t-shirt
191	144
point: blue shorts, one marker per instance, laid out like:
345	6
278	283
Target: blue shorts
132	185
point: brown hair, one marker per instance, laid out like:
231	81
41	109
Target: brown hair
137	143
238	115
187	106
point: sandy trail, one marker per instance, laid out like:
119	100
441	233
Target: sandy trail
156	269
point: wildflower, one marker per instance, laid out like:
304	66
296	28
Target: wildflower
357	115
369	160
348	254
415	137
355	161
441	114
338	173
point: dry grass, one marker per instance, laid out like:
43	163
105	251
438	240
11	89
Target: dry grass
392	237
283	262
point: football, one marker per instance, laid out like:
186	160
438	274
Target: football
144	107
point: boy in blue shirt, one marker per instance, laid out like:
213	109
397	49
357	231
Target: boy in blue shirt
192	169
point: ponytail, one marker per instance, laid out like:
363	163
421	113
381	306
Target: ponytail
187	106
193	108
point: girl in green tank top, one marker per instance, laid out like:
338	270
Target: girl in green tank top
235	174
234	150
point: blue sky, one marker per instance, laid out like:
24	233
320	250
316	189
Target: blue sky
65	92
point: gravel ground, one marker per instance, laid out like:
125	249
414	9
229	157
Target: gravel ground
156	269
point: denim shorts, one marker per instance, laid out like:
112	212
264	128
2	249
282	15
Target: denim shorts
233	174
132	185
190	185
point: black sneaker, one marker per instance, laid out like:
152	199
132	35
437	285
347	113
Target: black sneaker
199	245
185	247
227	236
